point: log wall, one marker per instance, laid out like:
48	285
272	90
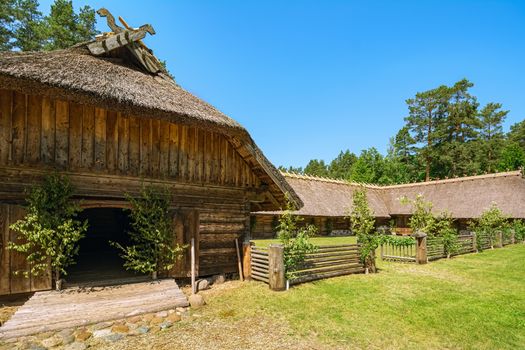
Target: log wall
107	154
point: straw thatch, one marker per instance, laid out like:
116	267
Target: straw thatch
116	82
463	198
327	197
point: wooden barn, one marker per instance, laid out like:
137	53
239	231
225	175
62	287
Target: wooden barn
107	115
327	202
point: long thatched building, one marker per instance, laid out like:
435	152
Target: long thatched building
328	202
107	114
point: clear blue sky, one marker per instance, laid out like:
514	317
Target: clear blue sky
310	78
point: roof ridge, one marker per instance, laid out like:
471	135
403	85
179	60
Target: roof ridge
326	179
412	184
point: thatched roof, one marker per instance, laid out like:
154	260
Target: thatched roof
465	197
117	81
328	197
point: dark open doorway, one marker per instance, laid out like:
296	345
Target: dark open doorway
98	260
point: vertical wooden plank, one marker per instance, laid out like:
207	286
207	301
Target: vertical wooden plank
155	147
75	135
48	130
164	149
200	150
192	227
224	153
207	157
183	152
191	154
62	133
5	266
88	137
216	158
100	138
145	147
19	283
34	128
18	128
174	151
123	143
111	141
134	145
6	105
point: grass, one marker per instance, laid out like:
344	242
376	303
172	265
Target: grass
315	240
474	301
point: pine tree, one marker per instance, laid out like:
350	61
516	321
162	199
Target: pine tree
28	33
491	134
426	112
316	168
64	28
517	134
341	166
6	24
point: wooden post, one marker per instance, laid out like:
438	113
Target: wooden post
474	242
247	260
421	247
193	286
241	275
276	267
382	252
499	235
512	236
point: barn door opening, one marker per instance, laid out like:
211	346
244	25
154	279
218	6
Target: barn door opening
98	260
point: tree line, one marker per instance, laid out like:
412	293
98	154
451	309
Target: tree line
446	134
24	28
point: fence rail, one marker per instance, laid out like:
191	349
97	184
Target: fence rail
260	264
392	252
327	261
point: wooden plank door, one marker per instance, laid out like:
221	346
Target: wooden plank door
186	226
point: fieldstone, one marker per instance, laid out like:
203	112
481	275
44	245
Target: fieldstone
134	319
218	279
161	314
180	309
120	328
101	333
83	335
173	318
114	337
156	320
65	333
132	326
34	346
67	339
142	330
202	284
165	325
76	346
45	335
102	325
51	342
154	329
171	311
196	300
148	317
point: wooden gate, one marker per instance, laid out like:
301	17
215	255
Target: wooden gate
13	263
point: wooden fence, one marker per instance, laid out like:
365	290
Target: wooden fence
392	252
259	264
329	261
267	264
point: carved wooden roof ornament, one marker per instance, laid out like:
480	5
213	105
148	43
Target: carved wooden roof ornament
126	37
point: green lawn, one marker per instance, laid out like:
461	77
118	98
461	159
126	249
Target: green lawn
474	301
315	240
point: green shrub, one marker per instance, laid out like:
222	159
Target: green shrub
152	233
49	232
489	224
519	230
295	239
363	226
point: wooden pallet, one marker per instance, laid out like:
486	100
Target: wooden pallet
51	310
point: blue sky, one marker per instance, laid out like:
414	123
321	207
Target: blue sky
311	78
